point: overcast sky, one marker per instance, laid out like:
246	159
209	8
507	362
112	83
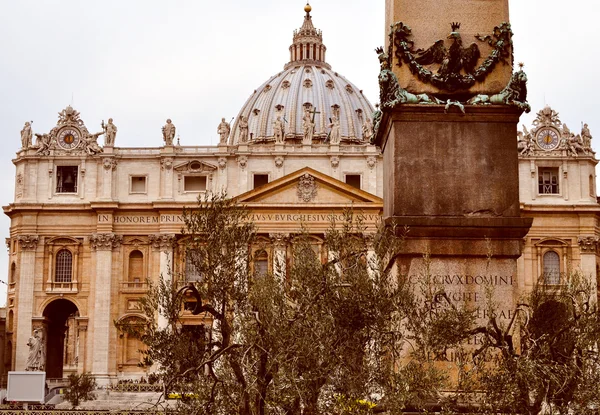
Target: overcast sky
195	61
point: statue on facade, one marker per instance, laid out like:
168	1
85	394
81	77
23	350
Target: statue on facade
571	142
168	131
367	129
586	136
525	142
42	143
90	142
278	130
308	127
223	130
334	133
27	135
243	126
566	132
36	361
110	132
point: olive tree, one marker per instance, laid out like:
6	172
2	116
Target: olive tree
325	333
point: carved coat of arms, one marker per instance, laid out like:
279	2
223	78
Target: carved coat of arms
307	188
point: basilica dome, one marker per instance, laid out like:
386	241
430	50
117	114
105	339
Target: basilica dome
306	88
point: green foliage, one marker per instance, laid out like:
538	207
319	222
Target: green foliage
554	363
339	333
80	388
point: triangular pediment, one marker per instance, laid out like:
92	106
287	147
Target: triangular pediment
308	187
194	166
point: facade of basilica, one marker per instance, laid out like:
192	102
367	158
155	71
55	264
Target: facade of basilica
90	224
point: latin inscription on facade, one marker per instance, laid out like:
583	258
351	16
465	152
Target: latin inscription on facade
276	217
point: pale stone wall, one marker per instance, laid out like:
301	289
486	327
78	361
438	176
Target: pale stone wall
104	206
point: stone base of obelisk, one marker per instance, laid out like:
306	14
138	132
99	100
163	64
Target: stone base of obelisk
452	185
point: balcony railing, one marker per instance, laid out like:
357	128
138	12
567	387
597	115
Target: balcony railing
135	286
62	287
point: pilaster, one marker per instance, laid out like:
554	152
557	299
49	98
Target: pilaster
588	248
279	241
24	312
166	167
164	243
109	164
103	245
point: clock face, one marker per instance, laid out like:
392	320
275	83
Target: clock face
547	138
68	138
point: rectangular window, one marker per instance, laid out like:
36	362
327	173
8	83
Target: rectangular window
353	180
66	179
194	183
548	180
260	180
138	184
261	267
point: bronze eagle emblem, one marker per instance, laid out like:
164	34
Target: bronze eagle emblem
453	60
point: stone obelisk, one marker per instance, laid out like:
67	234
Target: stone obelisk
450	155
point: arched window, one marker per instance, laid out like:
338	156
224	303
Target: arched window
136	267
592	187
551	268
64	266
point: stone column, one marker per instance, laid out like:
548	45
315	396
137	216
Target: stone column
103	244
164	243
588	247
279	241
24	311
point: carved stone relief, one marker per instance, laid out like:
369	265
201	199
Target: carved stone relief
105	241
279	240
28	242
279	162
110	163
19	186
371	162
307	188
588	244
162	241
335	161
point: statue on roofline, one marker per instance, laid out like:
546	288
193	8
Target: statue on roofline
26	135
168	131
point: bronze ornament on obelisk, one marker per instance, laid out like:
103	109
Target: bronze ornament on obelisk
450	102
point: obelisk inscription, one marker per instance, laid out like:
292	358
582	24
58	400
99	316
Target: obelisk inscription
431	21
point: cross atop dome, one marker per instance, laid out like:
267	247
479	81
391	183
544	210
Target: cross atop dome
307	46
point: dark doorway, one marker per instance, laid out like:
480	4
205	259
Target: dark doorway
57	314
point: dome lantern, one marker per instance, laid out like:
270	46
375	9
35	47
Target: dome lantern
307	46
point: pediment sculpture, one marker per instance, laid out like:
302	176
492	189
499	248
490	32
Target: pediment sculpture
551	137
69	136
